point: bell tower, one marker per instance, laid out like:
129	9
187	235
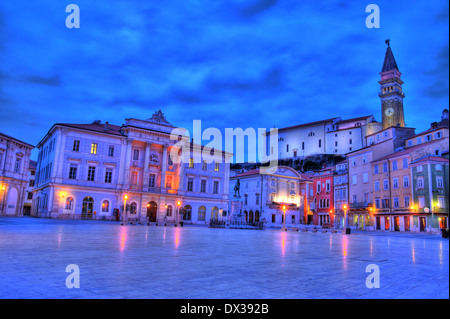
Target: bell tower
391	93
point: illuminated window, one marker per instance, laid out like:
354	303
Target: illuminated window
133	208
216	167
94	148
169	210
191	163
169	182
105	206
201	213
69	203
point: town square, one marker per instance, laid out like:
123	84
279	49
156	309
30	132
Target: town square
197	262
226	150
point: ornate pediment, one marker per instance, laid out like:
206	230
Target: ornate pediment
159	118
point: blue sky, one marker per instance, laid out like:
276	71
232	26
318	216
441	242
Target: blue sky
255	63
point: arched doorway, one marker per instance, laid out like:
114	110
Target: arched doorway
214	213
152	209
187	211
87	208
250	217
257	216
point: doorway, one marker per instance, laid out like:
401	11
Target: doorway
407	223
378	222
152	209
422	223
87	208
396	223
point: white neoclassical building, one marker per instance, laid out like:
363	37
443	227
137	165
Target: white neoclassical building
96	170
14	170
262	196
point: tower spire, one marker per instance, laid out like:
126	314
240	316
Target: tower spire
391	93
389	60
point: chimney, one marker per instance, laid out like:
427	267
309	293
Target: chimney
434	125
106	126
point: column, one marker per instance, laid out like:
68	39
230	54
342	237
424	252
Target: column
126	181
164	168
146	163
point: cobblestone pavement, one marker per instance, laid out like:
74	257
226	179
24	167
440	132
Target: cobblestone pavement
196	262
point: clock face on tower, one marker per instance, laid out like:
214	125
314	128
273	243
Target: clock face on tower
389	111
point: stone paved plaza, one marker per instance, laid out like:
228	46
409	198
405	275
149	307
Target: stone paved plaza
199	262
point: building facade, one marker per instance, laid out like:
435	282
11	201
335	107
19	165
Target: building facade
323	203
101	171
14	178
263	195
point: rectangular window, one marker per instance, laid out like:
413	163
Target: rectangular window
385	167
17	165
406	199
216	167
169	182
204	165
439	182
216	187
257	199
135	155
134	178
394	165
108	175
91	173
420	183
366	197
152	180
76	146
421	202
405	163
355	198
203	186
420	168
30	195
375	169
385	184
365	177
385	203
395	183
441	202
94	148
190	185
396	202
191	163
111	151
73	171
376	185
377	203
406	181
354	179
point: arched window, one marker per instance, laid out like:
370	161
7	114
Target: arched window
133	208
187	212
257	216
214	213
105	206
201	213
169	210
69	203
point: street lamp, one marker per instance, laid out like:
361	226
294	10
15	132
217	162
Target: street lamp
124	217
347	228
178	212
284	217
